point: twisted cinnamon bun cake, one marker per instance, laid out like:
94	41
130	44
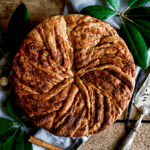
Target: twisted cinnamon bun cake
73	75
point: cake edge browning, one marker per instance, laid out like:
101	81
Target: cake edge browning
73	75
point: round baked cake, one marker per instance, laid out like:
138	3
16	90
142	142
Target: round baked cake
73	75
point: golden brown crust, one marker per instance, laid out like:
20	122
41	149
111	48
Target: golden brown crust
74	75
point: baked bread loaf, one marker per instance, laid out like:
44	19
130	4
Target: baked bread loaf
73	75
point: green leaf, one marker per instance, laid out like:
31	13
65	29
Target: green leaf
114	3
5	125
7	135
136	44
10	143
98	11
143	23
139	13
2	52
12	111
132	2
28	146
143	26
20	141
18	28
140	3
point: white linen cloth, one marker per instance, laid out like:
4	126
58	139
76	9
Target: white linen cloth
72	6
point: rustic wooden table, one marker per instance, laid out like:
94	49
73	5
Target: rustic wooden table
110	138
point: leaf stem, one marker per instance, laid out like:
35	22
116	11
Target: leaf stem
124	11
21	124
121	20
16	122
127	18
118	13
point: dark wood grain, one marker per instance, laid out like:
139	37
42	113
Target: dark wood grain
38	10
